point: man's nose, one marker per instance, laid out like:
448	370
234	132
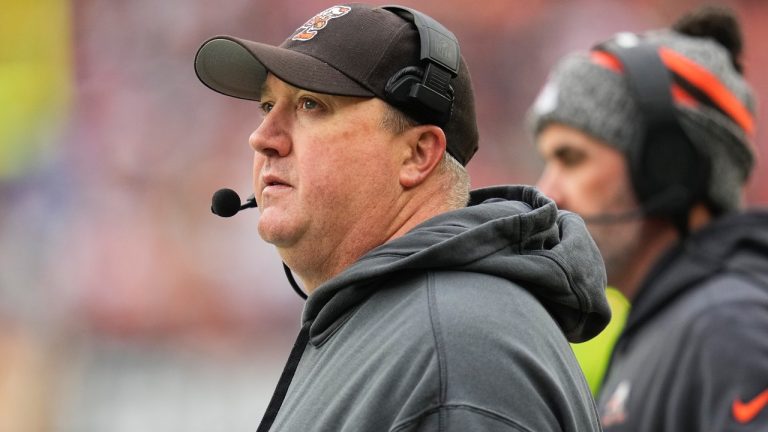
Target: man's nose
272	137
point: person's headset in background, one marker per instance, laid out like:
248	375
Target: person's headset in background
668	173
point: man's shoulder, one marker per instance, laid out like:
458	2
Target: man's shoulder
493	334
477	336
472	308
460	298
723	295
715	318
729	308
463	305
460	307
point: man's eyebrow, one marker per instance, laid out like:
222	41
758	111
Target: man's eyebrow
568	153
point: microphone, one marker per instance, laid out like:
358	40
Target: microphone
611	218
226	203
658	205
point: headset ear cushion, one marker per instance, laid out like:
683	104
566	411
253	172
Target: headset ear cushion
399	86
671	167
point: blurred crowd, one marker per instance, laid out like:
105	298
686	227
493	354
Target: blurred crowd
124	303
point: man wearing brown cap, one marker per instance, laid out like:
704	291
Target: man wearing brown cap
648	137
429	308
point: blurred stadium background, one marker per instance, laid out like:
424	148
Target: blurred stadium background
125	305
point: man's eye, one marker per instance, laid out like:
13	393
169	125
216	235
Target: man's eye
308	104
267	107
570	157
573	159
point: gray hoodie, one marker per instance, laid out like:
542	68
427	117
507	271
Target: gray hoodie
462	324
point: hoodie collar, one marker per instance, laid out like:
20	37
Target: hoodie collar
728	244
513	232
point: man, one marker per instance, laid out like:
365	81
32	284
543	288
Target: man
424	313
648	138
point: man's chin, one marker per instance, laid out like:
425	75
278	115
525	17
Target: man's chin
272	233
618	245
281	235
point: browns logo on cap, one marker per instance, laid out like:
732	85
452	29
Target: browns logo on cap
318	22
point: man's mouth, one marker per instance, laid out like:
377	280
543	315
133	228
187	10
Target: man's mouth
271	181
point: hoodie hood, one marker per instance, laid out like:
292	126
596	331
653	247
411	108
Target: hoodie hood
735	243
513	232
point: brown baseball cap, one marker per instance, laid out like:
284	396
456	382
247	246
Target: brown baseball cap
346	50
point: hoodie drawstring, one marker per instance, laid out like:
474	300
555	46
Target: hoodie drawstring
285	378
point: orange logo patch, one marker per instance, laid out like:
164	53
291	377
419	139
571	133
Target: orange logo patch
318	22
745	412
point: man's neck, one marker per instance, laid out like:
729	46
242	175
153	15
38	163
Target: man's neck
660	236
413	208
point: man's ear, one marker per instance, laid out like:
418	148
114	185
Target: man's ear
426	146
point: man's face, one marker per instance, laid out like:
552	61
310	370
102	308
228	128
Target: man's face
588	177
325	175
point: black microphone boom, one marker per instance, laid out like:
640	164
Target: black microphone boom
657	205
612	218
226	203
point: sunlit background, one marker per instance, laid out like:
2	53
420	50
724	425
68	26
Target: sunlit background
125	305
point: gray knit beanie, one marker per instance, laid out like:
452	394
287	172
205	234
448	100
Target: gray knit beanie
590	97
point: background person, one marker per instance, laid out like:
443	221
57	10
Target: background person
648	137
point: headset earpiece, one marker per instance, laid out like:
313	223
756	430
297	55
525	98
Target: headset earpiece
666	168
424	92
398	87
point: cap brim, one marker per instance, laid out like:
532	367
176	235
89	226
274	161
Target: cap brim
238	68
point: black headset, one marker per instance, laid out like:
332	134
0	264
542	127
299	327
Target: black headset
669	174
425	91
